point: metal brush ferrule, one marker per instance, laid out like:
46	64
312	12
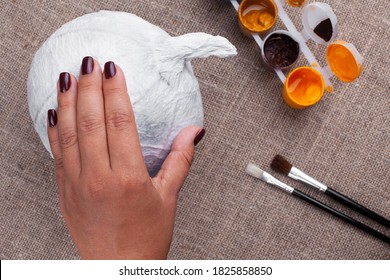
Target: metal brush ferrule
273	181
297	174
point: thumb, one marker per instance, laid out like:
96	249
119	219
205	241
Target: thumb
176	166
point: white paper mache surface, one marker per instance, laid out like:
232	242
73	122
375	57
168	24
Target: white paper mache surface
161	84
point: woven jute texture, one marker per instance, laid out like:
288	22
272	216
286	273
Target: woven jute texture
223	213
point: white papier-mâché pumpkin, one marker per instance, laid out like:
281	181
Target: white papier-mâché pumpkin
161	84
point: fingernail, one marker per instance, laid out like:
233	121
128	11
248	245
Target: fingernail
199	136
87	65
52	117
64	81
109	69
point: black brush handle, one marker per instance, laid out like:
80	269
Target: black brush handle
340	215
357	207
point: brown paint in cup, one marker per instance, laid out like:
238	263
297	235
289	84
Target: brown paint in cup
280	50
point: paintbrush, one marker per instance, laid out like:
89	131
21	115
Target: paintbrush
281	165
256	172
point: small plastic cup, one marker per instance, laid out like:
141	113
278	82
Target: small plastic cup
280	50
257	16
344	61
303	88
319	23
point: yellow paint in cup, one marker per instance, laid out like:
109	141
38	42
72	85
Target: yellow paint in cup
304	87
257	16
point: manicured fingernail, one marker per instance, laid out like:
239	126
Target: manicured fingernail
109	69
199	136
87	65
64	82
52	117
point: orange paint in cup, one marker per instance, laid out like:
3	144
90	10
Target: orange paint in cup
344	60
304	87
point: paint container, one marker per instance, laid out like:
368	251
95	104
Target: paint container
257	16
280	50
319	23
345	62
296	3
304	86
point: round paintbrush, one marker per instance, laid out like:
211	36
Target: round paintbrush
283	166
256	172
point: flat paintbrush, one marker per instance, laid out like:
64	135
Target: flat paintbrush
256	172
281	165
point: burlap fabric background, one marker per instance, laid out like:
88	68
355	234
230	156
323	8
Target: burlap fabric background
222	213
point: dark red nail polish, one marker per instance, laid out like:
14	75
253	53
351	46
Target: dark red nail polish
87	65
109	69
52	117
199	136
64	82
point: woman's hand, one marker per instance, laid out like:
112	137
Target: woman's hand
112	208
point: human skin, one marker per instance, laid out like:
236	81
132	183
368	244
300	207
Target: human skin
111	206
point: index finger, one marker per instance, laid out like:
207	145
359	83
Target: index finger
122	135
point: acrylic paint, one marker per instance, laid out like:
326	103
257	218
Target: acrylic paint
280	50
296	3
304	87
344	60
257	16
324	30
319	23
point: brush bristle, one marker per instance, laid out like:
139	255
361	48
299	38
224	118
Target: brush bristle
281	165
254	171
